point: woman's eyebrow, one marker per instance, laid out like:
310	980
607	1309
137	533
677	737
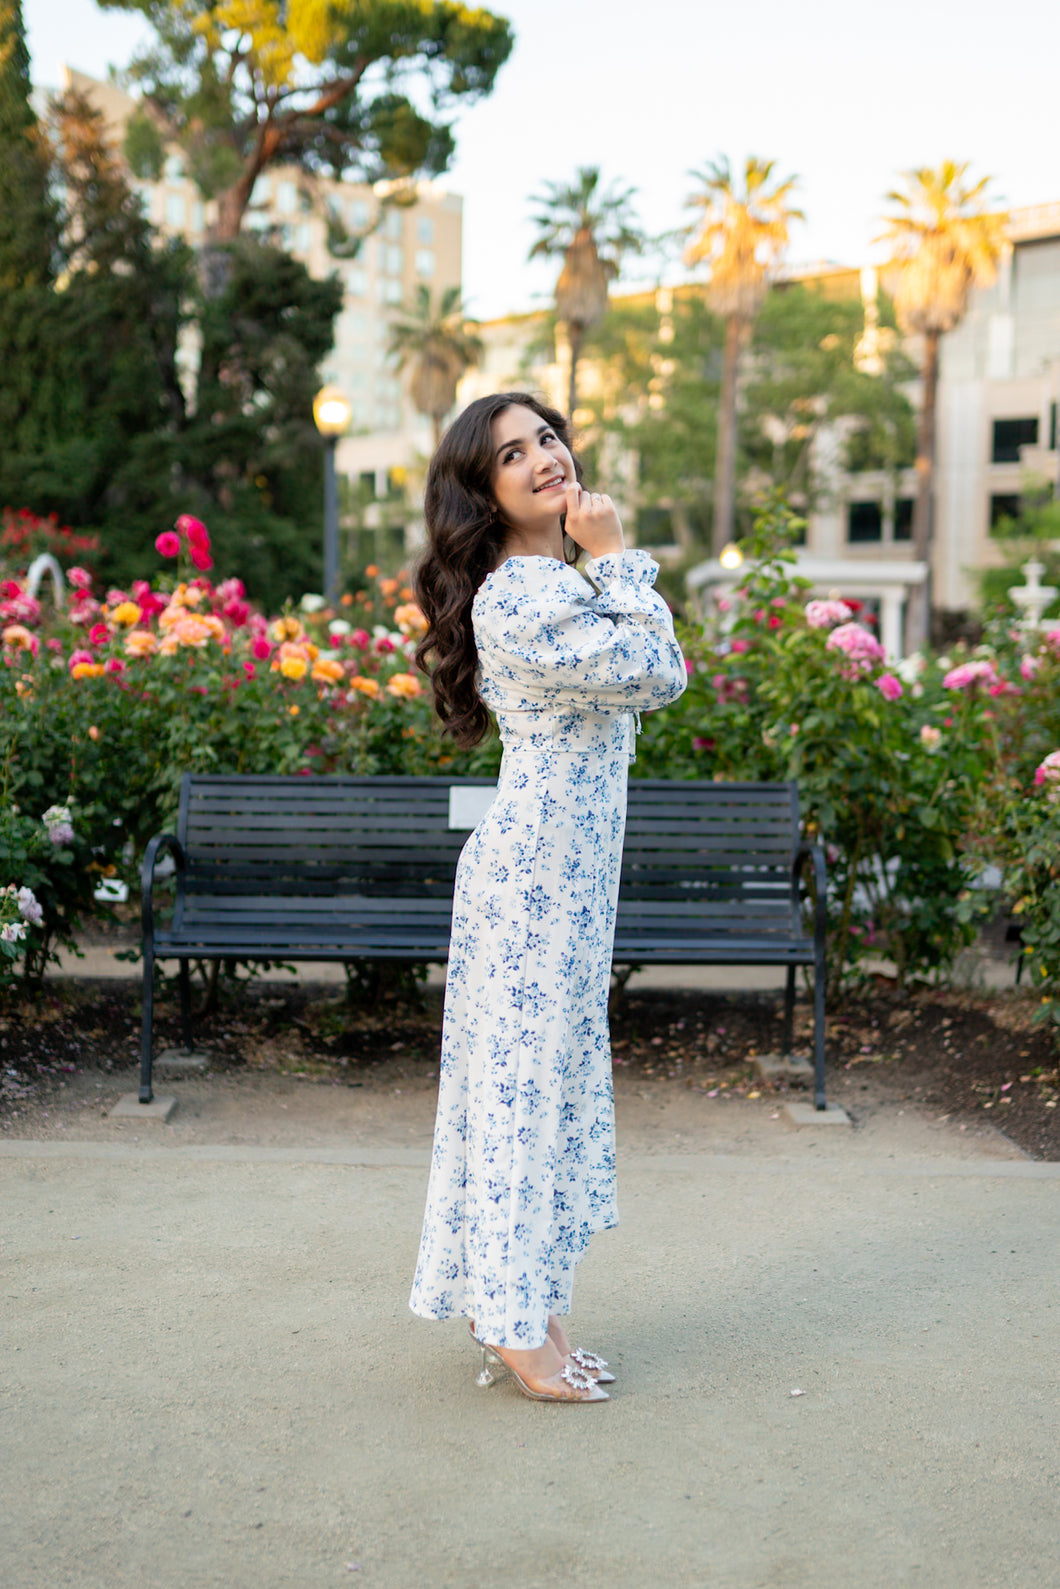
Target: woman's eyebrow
518	441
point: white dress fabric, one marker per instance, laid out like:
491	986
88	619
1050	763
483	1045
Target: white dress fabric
523	1168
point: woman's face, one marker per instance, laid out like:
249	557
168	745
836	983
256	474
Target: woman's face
531	469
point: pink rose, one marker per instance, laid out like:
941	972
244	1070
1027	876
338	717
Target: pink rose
360	639
114	665
855	641
167	544
968	674
739	646
260	648
200	557
250	670
825	614
889	687
382	645
79	577
98	635
77	657
195	530
1029	667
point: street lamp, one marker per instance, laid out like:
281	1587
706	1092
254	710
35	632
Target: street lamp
730	557
331	412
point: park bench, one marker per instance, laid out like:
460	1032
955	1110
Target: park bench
301	868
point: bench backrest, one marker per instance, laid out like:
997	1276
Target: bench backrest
392	837
384	837
735	841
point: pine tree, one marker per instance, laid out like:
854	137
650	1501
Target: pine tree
26	214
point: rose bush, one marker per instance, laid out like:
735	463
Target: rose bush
784	689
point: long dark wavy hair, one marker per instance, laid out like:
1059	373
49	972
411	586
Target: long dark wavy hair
465	540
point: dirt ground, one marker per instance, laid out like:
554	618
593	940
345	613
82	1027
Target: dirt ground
970	1059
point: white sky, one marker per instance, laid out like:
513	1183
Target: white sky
843	95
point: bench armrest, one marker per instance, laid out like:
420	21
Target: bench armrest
156	847
813	851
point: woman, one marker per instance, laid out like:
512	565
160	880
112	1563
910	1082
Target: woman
522	1172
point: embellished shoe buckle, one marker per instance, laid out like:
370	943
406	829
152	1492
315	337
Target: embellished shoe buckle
577	1378
588	1360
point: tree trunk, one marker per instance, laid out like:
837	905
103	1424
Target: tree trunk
574	342
725	464
918	619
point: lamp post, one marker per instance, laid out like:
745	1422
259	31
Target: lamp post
331	413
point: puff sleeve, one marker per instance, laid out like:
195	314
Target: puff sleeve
609	646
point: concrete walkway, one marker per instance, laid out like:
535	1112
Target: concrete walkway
836	1351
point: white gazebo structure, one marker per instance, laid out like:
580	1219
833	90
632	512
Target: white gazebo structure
884	580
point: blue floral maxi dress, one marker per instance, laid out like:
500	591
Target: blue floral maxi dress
523	1168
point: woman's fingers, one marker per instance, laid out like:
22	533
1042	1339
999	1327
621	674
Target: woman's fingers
592	521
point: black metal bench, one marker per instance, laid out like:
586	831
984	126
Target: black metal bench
283	869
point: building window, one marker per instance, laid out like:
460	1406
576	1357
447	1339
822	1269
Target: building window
359	216
395	259
175	210
903	519
864	521
392	292
197	216
286	198
305	237
173	168
1010	435
393	227
425	261
1003	507
1052	427
356	282
425	230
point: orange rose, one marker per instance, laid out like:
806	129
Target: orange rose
363	686
404	685
87	670
326	671
140	643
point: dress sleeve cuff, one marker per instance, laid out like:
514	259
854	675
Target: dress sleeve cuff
633	567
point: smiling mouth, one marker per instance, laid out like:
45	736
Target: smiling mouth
547	485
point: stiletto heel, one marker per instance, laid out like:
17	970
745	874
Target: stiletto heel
486	1376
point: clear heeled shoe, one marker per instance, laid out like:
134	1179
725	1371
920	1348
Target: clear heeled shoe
592	1364
578	1379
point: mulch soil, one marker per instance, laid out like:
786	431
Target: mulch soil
963	1056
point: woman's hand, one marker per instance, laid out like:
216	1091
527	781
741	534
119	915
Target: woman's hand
593	522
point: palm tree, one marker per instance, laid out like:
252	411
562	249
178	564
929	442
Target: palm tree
742	236
946	243
436	345
590	230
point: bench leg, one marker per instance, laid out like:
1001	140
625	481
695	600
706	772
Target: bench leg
789	1012
146	1094
185	1004
818	1033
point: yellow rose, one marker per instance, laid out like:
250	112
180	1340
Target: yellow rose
294	667
405	685
287	629
126	613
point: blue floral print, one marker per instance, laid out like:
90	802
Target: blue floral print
523	1168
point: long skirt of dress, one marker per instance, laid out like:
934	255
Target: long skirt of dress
523	1169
